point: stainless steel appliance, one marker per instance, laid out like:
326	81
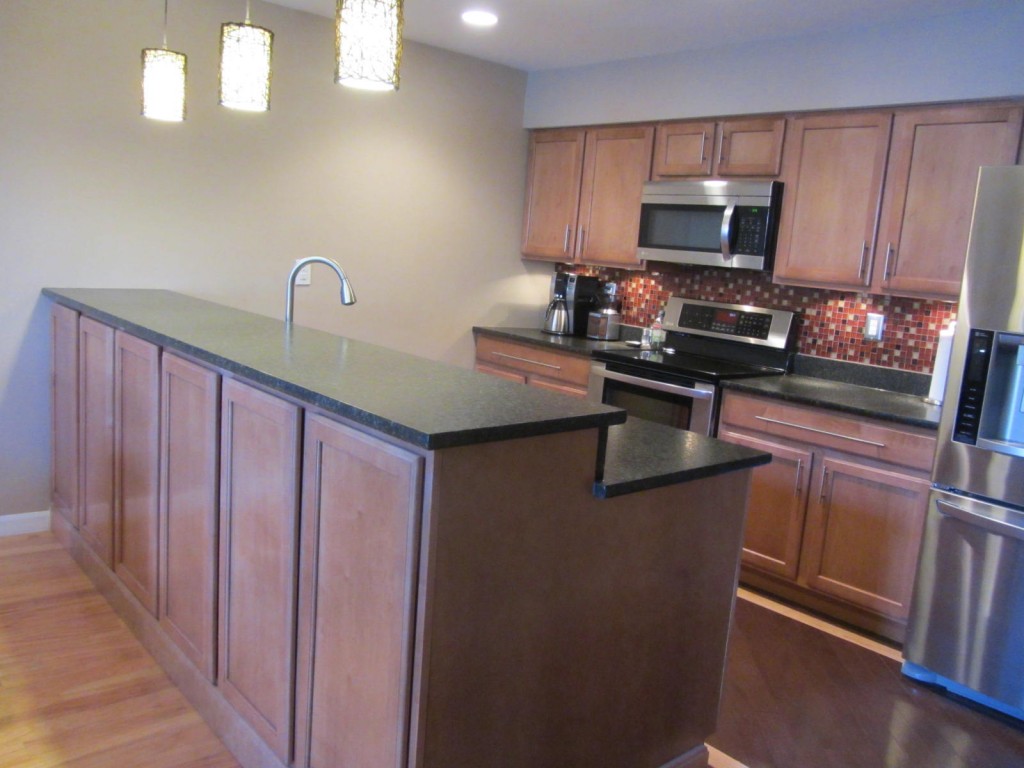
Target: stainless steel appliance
706	343
966	625
580	293
556	317
605	322
711	223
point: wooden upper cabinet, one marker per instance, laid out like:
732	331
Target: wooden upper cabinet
929	193
748	147
616	163
583	194
833	169
553	194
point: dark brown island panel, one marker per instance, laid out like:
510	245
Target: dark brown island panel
348	556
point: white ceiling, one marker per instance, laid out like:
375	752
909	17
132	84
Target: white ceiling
548	34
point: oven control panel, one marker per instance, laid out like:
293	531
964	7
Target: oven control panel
771	327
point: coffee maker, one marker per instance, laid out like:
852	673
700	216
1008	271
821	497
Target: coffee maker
580	293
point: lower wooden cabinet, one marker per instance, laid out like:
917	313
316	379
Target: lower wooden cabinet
137	466
64	412
357	595
188	509
835	520
96	437
259	548
543	368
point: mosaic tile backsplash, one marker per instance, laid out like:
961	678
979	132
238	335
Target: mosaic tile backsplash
832	322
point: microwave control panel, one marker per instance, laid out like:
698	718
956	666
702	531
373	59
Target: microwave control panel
750	230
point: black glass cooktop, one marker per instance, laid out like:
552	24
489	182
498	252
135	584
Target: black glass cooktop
686	364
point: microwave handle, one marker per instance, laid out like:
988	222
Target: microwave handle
730	209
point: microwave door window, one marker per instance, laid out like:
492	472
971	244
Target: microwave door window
683	228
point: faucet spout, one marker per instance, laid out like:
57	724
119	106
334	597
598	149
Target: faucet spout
348	295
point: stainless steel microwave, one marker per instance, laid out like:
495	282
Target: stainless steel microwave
711	223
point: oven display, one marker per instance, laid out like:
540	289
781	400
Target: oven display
731	322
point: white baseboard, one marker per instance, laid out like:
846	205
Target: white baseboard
24	522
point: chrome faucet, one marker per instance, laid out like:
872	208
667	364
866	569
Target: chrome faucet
348	296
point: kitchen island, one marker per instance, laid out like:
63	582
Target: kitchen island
346	555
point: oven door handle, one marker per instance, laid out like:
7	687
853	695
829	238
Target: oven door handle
660	386
726	233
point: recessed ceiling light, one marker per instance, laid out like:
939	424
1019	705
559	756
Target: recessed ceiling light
478	18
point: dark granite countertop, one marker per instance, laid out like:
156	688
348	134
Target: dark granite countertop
537	338
642	455
854	399
423	402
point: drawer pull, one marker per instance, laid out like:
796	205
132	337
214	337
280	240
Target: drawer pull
799	477
820	431
526	360
824	484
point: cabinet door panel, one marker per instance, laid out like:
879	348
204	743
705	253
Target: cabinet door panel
616	163
683	149
259	517
188	509
777	507
929	198
96	437
553	194
137	465
834	169
64	411
750	147
863	534
360	526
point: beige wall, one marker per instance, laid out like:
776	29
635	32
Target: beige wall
417	193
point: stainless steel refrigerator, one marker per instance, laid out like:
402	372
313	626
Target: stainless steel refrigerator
966	626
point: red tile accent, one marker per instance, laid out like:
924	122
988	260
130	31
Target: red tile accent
832	322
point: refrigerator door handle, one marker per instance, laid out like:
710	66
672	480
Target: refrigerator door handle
973	518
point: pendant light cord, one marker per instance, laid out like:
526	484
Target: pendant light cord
247	3
165	25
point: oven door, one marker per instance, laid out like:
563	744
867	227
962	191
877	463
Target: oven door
681	403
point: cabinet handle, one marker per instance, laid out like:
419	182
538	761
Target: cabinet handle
579	245
565	244
824	484
889	250
703	141
799	477
820	431
721	148
863	256
526	360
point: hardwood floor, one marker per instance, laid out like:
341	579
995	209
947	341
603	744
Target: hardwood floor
796	697
77	690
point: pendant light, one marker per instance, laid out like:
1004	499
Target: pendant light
369	44
163	81
245	52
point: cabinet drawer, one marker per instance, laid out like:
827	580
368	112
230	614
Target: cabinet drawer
533	361
898	445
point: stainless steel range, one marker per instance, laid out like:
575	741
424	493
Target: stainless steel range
707	342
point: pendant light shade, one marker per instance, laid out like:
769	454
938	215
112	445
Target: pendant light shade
245	52
163	81
369	43
163	84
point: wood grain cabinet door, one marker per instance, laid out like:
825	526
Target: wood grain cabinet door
259	517
833	168
616	163
96	437
137	466
864	527
553	194
360	531
778	505
683	149
189	395
750	147
64	412
929	193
